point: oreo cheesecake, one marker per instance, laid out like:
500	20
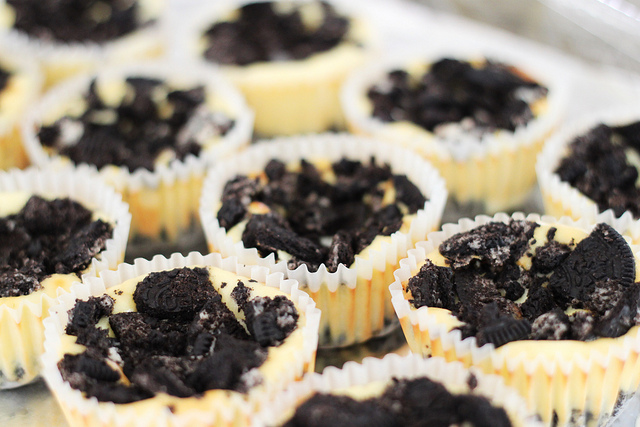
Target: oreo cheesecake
56	227
398	391
327	211
20	82
589	169
531	299
71	37
172	342
288	58
150	131
479	120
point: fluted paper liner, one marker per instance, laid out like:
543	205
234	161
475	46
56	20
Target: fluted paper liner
163	202
559	197
496	169
293	96
217	407
21	317
354	300
452	375
59	60
567	378
23	87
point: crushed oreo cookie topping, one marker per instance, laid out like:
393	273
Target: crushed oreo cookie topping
44	238
599	164
155	120
76	20
480	97
318	220
578	291
4	78
183	339
264	32
414	402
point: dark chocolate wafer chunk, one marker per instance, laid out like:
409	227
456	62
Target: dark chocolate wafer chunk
603	255
178	293
270	320
492	244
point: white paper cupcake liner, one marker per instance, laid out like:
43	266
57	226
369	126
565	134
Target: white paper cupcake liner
354	301
21	327
163	202
292	96
452	375
496	169
570	379
59	61
559	197
80	410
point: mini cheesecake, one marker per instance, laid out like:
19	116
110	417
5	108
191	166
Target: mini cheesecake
189	342
289	59
398	391
328	211
516	295
589	169
68	38
479	119
150	130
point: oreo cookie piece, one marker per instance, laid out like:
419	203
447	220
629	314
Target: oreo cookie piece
269	235
270	320
408	193
621	317
552	325
493	244
340	251
86	314
178	293
324	409
225	367
603	255
432	287
503	331
82	247
162	374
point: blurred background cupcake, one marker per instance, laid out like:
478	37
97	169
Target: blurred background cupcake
72	37
479	115
589	169
151	130
288	58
